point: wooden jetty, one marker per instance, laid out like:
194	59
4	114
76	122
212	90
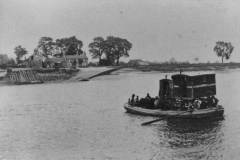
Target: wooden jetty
30	76
23	77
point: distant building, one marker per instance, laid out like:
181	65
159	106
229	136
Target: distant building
3	59
81	60
58	60
69	61
36	61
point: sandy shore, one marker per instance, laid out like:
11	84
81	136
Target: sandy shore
85	73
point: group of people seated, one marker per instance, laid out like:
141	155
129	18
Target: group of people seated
173	103
148	101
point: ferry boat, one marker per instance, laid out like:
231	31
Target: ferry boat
182	96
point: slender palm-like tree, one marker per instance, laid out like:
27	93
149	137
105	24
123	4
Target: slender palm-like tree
223	49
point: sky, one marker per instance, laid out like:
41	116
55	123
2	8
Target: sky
158	29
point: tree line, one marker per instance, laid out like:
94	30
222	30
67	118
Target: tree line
108	50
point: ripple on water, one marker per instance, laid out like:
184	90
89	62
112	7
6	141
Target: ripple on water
87	121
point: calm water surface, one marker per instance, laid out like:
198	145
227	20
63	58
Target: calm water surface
86	120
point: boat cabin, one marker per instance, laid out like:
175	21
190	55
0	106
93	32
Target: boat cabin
188	87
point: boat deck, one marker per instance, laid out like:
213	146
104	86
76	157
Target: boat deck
197	113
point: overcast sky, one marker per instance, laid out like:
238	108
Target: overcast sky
158	29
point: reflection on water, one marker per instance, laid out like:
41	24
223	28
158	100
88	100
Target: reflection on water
191	139
87	121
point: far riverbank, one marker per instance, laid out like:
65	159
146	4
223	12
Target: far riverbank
186	67
85	74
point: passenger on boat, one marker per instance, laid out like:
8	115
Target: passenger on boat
185	105
133	99
141	102
197	103
204	103
209	101
177	103
137	100
148	101
190	107
215	101
156	102
148	96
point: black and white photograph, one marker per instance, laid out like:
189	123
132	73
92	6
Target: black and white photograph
119	79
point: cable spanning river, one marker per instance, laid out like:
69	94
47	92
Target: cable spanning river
86	120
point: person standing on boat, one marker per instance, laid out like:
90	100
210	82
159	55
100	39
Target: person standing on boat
137	100
148	96
214	101
209	101
148	99
129	101
203	103
133	99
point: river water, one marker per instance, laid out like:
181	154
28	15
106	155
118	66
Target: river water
86	120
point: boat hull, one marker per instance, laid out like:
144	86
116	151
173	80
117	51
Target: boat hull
210	112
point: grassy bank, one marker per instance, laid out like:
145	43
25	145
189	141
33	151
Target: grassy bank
186	67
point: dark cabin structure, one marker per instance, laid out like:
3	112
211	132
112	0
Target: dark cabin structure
166	88
188	87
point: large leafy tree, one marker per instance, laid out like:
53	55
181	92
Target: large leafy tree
45	46
113	48
70	46
223	49
19	52
108	49
97	47
123	49
116	48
